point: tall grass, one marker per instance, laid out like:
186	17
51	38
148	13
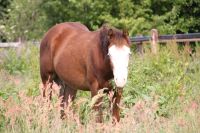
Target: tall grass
162	95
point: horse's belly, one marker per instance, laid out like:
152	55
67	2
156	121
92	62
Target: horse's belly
76	83
72	73
74	79
70	64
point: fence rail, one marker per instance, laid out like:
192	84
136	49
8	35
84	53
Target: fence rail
164	38
9	44
16	44
155	38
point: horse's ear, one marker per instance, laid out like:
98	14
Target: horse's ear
126	35
110	33
125	32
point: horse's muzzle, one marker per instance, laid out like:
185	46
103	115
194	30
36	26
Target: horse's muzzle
120	81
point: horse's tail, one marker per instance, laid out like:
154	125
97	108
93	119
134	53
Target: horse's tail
47	71
46	68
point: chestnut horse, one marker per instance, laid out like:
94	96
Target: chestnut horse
79	59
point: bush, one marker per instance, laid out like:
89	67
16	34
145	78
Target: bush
19	70
165	76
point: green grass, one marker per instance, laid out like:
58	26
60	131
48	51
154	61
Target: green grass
162	95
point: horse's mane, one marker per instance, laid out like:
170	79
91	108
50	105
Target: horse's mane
104	39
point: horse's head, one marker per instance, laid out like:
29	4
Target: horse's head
117	48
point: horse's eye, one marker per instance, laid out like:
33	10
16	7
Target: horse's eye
108	55
129	53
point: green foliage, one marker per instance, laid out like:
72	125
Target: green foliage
177	16
24	20
3	12
20	60
86	11
14	63
139	17
165	76
3	7
19	70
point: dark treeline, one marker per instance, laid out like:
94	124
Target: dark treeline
29	19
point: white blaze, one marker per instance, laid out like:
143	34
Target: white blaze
119	57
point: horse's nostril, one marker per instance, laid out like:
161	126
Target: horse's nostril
116	79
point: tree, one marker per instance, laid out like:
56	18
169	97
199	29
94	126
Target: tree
29	19
24	20
3	7
176	16
3	11
85	11
94	13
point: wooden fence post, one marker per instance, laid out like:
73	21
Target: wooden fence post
154	41
139	46
187	48
19	48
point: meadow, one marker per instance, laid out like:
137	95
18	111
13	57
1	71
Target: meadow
162	95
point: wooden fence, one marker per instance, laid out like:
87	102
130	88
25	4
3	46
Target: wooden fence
9	44
154	39
15	44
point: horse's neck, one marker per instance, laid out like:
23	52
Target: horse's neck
104	64
99	60
108	73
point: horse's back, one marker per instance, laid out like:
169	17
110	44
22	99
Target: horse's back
59	32
53	41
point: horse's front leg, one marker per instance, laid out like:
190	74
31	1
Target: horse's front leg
116	101
94	87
